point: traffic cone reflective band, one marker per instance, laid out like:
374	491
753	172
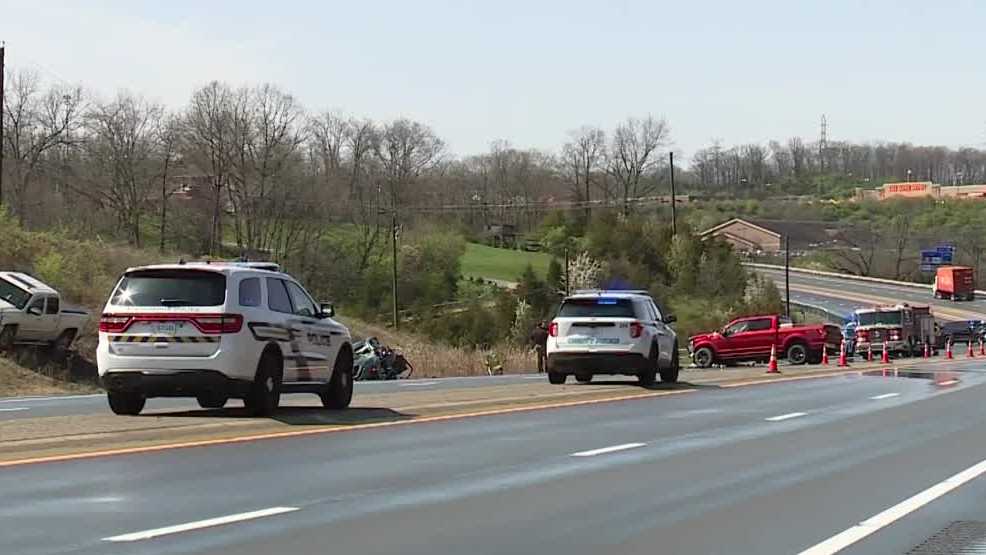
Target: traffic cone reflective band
885	356
969	352
869	352
825	356
842	355
772	366
948	349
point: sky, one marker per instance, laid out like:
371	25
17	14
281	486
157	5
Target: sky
530	71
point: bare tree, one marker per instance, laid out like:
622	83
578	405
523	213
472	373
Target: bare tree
123	155
168	140
405	149
634	153
208	141
582	157
36	121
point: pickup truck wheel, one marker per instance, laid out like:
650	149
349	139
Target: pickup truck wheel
704	358
212	400
556	378
339	392
583	378
670	374
265	391
797	353
126	402
7	335
61	345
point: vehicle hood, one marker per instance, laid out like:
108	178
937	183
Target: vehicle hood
709	336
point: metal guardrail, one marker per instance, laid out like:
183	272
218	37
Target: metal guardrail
883	281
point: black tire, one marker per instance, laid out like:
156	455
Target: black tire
7	335
704	357
339	391
583	378
556	378
212	400
670	374
265	391
126	402
61	345
648	376
797	353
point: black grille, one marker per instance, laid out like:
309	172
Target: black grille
962	537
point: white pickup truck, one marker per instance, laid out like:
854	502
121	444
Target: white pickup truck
32	313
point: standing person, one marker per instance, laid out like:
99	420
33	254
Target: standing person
539	338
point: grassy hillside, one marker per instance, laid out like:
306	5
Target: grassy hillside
501	264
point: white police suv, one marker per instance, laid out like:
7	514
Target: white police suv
216	331
612	332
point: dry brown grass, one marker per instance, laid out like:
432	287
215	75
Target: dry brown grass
16	381
433	360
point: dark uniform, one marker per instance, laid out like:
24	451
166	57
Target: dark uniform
539	338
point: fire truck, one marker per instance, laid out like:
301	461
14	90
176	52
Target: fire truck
902	327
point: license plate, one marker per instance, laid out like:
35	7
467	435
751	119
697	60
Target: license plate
166	328
593	341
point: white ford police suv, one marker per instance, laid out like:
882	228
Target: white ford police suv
216	331
612	332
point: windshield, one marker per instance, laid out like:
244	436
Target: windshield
884	318
13	294
597	308
170	288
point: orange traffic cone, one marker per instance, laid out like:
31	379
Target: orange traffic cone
842	355
885	356
948	349
772	366
927	350
969	352
982	347
869	352
825	356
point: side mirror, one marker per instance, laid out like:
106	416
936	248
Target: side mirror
328	311
34	311
670	318
724	332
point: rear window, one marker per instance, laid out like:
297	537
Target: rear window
170	288
597	308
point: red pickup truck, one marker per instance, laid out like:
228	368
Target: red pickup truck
751	337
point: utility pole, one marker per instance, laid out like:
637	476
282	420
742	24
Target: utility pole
393	236
787	274
2	100
674	219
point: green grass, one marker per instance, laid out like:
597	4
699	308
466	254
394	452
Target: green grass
501	264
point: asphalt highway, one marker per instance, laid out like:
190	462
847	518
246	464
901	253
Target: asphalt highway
764	469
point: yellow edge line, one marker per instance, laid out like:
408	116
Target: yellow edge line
424	420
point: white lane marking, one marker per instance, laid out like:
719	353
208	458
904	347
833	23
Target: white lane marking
52	398
787	416
884	396
208	523
948	382
605	450
14	409
852	535
417	384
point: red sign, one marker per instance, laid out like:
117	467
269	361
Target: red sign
905	187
